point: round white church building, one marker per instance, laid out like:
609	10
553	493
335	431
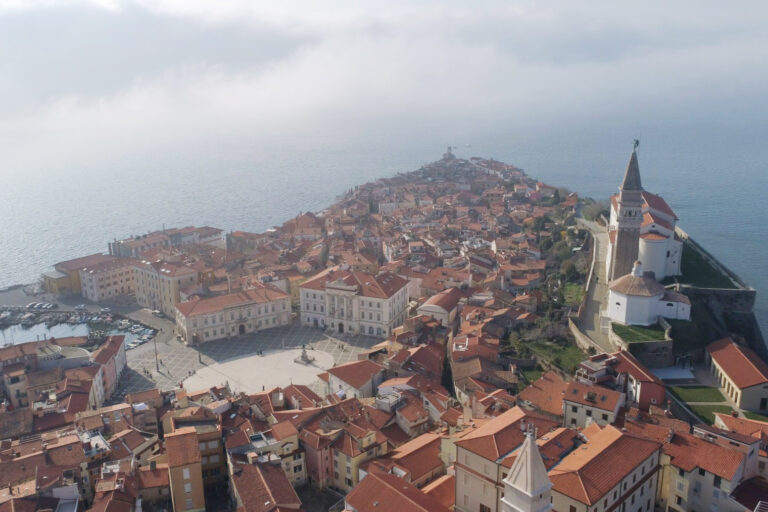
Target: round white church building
638	299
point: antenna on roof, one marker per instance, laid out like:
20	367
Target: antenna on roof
636	143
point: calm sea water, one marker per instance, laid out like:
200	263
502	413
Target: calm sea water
716	179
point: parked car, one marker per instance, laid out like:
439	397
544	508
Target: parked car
158	313
105	310
80	307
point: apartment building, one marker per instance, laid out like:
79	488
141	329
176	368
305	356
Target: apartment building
611	469
185	470
483	458
280	444
583	403
158	283
354	302
107	280
261	307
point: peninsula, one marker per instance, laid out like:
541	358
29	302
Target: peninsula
460	337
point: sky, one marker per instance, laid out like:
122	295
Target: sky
104	79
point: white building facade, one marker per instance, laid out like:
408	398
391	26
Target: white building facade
660	250
637	299
263	307
107	280
354	302
158	284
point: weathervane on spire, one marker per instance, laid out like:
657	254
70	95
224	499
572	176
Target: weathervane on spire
636	143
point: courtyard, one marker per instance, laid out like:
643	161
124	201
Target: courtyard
238	360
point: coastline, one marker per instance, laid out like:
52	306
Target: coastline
344	195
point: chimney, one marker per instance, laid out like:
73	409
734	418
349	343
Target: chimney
637	269
670	435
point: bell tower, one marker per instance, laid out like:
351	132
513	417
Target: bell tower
527	487
629	219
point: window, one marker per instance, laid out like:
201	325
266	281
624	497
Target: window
589	412
485	508
717	481
605	418
187	487
297	469
185	473
701	472
573	408
212	444
571	509
348	481
681	472
678	500
188	503
213	459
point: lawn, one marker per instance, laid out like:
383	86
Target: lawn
565	357
572	294
638	334
697	394
707	412
755	416
698	272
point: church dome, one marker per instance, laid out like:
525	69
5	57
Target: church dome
637	283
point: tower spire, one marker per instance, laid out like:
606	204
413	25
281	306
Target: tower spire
632	175
527	486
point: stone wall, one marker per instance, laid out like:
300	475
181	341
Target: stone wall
583	341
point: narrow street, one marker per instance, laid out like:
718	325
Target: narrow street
598	292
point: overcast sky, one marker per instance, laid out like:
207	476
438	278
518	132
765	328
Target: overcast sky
124	76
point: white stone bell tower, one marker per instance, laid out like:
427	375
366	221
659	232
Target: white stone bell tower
527	486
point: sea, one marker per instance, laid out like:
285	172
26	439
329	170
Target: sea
714	176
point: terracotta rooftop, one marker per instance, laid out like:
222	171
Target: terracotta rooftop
264	488
380	286
592	396
182	447
546	393
262	294
596	467
379	492
356	373
498	437
741	364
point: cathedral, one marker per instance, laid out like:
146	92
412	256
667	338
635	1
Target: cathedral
642	250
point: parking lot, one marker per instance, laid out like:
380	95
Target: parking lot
176	361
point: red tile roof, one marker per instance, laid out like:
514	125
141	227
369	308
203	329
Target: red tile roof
592	470
182	447
689	452
356	373
503	433
263	293
546	393
109	349
744	367
380	286
382	492
592	396
264	488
